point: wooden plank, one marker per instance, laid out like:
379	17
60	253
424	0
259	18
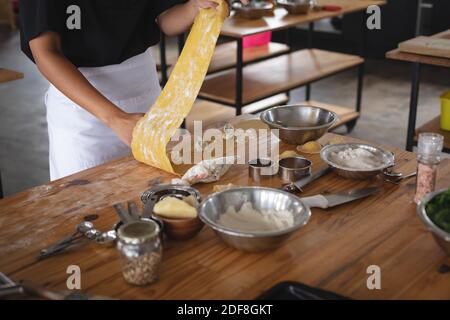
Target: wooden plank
237	27
434	126
332	251
428	46
208	113
277	75
225	54
396	54
9	75
345	114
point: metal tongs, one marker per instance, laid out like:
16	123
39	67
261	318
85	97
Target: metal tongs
86	230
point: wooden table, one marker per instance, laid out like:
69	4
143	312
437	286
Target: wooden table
247	73
7	15
237	27
418	61
255	77
332	251
7	75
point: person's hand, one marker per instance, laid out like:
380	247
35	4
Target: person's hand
124	124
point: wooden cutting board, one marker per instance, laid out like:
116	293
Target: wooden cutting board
436	47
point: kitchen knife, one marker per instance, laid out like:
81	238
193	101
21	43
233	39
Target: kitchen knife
312	177
335	199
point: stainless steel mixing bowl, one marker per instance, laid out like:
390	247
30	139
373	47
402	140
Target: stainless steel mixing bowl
263	199
442	237
386	157
298	124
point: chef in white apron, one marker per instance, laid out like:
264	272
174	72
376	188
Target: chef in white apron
95	53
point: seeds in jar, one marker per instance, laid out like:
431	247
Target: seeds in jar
142	270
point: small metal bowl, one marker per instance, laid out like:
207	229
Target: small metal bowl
262	199
261	168
442	237
291	169
299	124
253	10
386	157
170	190
176	229
295	6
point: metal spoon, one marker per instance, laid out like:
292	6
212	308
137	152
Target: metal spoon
106	238
82	228
397	177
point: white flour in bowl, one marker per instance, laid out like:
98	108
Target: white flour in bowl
359	158
250	220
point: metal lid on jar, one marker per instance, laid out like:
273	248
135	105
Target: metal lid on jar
138	232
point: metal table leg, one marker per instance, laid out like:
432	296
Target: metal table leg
361	73
180	41
415	86
1	187
361	68
163	58
310	44
239	71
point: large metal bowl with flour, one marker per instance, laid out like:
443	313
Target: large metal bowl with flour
262	200
384	158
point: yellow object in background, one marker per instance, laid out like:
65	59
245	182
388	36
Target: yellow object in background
445	111
153	132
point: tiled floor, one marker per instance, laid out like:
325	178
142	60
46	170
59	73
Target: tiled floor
23	135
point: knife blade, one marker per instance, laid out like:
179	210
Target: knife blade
312	177
336	199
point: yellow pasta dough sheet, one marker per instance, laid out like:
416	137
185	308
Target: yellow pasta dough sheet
153	132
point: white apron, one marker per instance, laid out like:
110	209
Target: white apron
78	140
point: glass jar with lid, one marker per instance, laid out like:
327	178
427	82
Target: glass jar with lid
428	158
139	244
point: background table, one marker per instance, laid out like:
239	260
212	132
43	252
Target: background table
417	62
332	251
7	76
256	78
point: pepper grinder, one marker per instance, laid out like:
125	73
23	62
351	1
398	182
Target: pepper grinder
428	158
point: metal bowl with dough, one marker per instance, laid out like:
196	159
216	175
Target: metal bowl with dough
253	10
295	6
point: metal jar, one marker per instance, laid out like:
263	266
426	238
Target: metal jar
139	244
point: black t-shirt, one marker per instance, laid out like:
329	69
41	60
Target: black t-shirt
94	33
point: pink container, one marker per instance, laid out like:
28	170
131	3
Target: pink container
255	40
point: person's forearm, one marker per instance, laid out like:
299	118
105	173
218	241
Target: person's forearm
69	80
177	19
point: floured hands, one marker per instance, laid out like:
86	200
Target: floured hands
123	126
